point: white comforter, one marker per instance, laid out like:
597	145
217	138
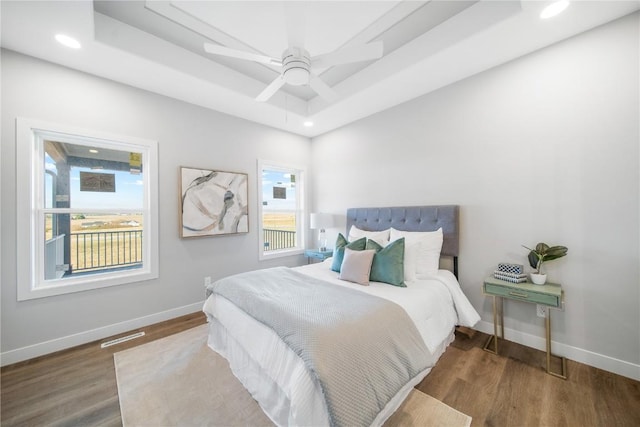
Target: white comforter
277	377
435	305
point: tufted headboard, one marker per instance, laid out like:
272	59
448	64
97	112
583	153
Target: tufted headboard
412	218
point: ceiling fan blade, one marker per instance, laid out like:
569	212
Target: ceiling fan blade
240	54
349	54
271	89
322	89
294	15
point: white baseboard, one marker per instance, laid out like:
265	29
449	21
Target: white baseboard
610	364
40	349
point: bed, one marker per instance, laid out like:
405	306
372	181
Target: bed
390	335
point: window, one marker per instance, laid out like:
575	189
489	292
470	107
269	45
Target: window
87	209
281	206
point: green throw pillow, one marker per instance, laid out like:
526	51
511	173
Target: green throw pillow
338	251
388	262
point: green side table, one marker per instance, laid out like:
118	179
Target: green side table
550	295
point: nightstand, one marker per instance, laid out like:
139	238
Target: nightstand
550	295
317	254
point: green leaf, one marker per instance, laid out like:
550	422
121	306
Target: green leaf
558	249
541	248
533	260
555	252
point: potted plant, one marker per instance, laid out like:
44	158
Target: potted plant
540	255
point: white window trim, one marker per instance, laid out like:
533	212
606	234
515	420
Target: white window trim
29	165
300	211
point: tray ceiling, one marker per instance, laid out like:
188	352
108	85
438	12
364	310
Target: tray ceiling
158	46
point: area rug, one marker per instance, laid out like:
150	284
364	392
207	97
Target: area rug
180	381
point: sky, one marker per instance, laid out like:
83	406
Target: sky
130	190
272	178
128	195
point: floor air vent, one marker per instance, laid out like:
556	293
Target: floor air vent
121	339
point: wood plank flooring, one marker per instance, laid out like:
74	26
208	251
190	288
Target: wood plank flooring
74	387
513	389
77	387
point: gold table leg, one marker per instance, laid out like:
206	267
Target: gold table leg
498	319
494	337
563	367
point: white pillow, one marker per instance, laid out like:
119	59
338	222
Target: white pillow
427	252
410	259
356	266
380	237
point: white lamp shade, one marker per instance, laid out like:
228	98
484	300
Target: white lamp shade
320	221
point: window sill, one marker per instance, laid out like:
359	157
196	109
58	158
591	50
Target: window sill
281	254
86	283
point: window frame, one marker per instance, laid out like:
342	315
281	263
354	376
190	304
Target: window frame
30	185
300	210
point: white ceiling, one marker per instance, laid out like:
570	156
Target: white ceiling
158	46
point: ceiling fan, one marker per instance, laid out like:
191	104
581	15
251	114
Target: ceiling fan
296	63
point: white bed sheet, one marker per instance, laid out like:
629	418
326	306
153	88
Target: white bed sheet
429	303
278	379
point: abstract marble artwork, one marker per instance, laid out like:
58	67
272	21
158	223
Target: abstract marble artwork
213	202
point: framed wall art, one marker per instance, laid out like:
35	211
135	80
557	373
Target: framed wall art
213	202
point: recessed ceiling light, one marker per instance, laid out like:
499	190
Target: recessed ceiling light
308	123
93	150
553	9
68	41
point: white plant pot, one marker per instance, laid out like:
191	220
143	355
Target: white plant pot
538	279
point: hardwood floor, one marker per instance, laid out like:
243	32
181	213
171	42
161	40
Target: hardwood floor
74	387
77	387
513	389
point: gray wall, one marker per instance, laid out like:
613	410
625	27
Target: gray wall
544	148
187	136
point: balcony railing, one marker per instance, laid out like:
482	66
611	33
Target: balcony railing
278	239
105	249
100	250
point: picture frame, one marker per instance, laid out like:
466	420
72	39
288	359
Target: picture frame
213	202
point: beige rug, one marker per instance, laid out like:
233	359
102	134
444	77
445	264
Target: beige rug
180	381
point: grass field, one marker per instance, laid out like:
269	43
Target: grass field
275	221
279	221
108	222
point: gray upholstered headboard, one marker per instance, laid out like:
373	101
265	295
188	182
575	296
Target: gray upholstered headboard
412	218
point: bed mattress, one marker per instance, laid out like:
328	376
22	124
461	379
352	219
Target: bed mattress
278	378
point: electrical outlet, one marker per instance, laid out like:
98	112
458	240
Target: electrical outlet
207	280
541	310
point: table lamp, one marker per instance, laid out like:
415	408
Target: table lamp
321	221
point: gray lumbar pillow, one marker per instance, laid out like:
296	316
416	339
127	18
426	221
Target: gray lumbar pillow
356	266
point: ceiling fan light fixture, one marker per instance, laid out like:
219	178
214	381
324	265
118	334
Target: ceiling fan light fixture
296	63
296	76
